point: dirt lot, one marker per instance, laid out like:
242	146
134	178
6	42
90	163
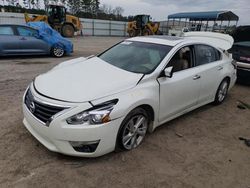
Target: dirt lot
208	154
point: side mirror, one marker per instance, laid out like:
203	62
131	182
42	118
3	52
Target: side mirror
168	72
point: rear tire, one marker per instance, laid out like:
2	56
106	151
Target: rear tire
133	129
222	91
68	30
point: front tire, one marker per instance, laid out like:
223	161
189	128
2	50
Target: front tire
222	91
57	51
133	129
147	32
131	33
68	30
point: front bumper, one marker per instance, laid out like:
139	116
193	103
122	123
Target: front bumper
243	66
243	73
58	135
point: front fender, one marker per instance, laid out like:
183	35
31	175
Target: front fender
143	94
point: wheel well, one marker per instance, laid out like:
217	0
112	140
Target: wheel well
228	79
149	110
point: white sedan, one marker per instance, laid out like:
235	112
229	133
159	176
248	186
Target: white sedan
91	106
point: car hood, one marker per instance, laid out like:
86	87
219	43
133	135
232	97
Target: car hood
85	80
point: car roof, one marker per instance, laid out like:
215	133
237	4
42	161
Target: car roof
159	39
16	25
13	25
217	40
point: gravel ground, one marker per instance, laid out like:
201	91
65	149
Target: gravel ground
199	149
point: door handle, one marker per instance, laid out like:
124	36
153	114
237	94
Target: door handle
219	68
196	77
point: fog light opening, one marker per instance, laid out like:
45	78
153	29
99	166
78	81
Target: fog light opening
84	147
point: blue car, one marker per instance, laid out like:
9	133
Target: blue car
37	38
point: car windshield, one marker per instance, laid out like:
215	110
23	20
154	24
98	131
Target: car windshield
138	57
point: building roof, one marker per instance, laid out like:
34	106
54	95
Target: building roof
204	16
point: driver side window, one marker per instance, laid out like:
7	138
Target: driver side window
182	59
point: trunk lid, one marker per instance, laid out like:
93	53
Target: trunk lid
222	41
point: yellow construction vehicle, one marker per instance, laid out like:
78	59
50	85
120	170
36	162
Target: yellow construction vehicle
57	18
143	26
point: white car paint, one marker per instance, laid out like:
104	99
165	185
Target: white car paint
80	77
83	83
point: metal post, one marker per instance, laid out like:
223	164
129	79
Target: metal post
81	29
206	26
109	27
167	26
93	27
125	28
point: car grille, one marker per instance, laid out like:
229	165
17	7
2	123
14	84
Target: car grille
43	112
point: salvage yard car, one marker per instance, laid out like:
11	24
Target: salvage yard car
25	40
112	100
241	51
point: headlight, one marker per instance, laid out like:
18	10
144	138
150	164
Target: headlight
97	115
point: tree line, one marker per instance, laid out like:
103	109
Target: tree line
80	8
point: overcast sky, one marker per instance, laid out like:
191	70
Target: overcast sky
160	9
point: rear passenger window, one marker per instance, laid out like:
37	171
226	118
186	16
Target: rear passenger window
6	30
206	54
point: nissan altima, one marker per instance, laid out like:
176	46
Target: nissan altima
92	106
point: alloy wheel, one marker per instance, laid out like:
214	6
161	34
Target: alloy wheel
134	132
58	51
223	91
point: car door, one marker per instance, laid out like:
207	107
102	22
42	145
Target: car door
180	92
29	41
9	44
208	60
